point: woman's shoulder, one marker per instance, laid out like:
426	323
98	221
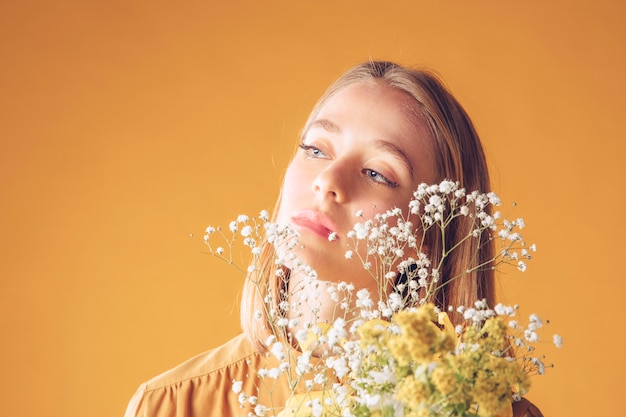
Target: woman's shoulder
237	352
199	385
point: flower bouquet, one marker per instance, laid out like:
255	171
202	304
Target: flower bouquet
395	353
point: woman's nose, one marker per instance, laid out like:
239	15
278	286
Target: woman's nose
331	183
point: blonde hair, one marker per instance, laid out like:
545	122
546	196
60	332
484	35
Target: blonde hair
459	156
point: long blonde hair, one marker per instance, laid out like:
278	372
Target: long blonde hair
459	156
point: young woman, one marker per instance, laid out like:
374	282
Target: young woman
377	133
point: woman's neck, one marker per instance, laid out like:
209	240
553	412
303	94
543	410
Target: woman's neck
315	301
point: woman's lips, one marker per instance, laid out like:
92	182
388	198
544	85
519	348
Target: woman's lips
315	221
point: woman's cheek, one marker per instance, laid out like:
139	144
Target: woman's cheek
293	194
295	184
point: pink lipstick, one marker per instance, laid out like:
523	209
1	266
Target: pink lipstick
315	221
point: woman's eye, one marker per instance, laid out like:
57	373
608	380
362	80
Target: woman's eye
312	151
377	177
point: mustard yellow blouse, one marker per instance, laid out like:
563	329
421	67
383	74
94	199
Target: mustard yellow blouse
202	386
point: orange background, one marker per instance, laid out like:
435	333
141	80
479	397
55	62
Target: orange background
127	126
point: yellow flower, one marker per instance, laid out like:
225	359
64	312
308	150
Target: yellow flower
374	333
412	392
420	339
506	411
493	334
444	379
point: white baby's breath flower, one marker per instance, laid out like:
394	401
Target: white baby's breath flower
531	336
390	275
395	301
278	351
521	265
539	365
386	312
301	335
535	322
260	410
271	339
316	408
364	299
494	199
446	186
237	385
338	364
557	340
319	378
500	309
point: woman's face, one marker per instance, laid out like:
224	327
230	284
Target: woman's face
364	151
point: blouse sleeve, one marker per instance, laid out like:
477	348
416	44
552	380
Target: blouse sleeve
203	385
132	410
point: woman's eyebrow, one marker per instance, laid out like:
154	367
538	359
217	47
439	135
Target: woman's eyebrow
397	152
327	125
